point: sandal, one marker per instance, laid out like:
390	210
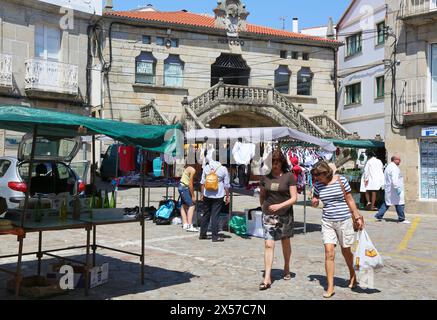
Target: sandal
287	276
264	286
327	295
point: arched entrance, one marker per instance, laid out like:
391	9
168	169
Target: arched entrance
242	119
232	68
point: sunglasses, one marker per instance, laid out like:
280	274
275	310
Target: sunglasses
318	174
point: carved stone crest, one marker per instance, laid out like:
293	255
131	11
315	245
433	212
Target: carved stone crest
231	15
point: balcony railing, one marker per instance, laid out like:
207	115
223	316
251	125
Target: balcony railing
51	76
418	7
412	97
5	70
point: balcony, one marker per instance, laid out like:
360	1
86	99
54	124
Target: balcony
51	79
416	102
5	71
419	12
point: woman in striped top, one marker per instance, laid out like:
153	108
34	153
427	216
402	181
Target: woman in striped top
335	193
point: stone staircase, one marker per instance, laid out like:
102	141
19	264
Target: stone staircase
223	98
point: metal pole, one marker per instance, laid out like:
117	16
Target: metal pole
304	210
29	176
93	174
39	255
143	223
18	270
87	263
94	245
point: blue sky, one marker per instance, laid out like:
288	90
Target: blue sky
267	13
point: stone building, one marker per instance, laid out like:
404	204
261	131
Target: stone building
44	58
217	71
411	108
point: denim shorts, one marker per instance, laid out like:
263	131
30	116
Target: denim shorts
185	195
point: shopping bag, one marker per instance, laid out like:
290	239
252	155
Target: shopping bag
254	223
238	225
365	254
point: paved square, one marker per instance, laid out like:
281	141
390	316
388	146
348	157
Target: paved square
179	266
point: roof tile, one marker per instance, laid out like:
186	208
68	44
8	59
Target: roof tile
198	20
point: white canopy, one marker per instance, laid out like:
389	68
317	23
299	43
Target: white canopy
256	135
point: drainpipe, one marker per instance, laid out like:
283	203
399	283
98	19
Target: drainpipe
335	51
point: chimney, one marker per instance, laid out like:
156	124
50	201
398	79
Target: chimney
108	6
296	25
330	33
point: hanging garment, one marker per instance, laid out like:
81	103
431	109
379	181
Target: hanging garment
157	167
374	174
127	159
243	153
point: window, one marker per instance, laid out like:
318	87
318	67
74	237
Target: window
428	168
145	68
380	39
47	42
160	41
304	82
282	79
173	43
4	166
353	45
434	75
295	55
305	56
147	40
380	83
353	94
173	71
283	54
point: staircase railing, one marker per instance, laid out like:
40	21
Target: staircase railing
151	115
256	96
331	126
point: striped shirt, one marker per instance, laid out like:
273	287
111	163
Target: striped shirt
335	207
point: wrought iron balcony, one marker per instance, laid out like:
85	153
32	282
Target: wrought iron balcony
416	101
412	9
5	70
51	76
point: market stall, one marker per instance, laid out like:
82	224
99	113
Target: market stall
356	151
258	135
45	123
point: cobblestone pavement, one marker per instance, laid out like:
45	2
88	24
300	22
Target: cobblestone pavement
179	266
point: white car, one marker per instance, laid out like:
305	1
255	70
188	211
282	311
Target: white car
51	172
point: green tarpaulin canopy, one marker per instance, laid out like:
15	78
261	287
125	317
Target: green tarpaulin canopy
362	144
51	123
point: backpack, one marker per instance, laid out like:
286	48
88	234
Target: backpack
212	181
166	210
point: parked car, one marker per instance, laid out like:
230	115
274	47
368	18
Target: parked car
51	172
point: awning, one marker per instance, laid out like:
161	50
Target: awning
256	135
362	144
60	124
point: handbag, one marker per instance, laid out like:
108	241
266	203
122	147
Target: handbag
353	208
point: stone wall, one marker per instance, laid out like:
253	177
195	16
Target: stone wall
413	56
124	98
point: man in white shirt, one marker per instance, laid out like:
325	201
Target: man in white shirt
394	190
373	179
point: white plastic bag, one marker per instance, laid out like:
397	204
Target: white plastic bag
254	225
365	254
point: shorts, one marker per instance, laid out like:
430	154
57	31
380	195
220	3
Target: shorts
341	232
185	195
278	227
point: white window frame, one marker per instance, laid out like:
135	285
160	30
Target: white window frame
419	159
377	35
45	44
430	105
345	94
347	55
376	87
